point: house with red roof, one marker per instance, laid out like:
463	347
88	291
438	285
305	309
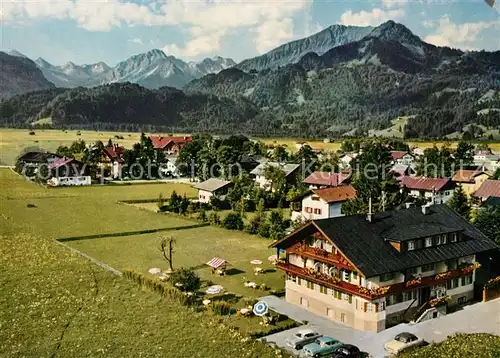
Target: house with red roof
402	158
323	203
489	188
112	160
470	180
68	172
170	145
320	179
435	190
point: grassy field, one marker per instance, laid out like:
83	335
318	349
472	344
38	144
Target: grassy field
56	303
193	248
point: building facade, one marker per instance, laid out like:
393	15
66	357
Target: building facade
374	271
470	180
212	187
434	190
323	203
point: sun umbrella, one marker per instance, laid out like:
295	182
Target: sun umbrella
212	290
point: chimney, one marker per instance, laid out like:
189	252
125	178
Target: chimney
369	216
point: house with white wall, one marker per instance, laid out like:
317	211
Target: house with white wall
290	170
373	271
435	190
323	203
212	187
402	158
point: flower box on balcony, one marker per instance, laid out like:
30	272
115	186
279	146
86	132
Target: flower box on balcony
414	282
470	267
443	275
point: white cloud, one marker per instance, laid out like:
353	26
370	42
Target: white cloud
370	18
428	24
392	3
136	40
207	19
463	36
202	44
273	33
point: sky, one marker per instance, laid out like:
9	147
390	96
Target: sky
89	31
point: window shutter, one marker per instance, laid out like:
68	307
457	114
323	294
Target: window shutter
350	298
364	306
376	307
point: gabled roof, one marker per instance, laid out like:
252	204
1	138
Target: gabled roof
399	154
38	157
426	184
325	178
288	168
63	161
401	169
466	176
488	188
212	184
366	244
160	142
114	153
336	194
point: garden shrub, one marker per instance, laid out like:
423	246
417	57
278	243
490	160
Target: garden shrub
233	221
214	219
187	278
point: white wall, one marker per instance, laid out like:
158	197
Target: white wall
69	181
204	196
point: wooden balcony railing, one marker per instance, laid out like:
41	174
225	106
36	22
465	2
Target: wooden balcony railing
320	255
373	293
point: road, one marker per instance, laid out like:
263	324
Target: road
476	318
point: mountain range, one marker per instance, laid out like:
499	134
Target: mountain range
341	79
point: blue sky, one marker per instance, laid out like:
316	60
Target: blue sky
88	31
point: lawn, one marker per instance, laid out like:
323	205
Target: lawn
56	303
193	248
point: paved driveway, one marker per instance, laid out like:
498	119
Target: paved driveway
476	318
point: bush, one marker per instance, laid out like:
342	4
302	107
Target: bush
264	229
202	216
233	221
189	280
254	225
250	301
214	219
221	308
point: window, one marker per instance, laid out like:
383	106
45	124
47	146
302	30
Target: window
411	245
452	264
467	280
391	300
369	307
337	294
409	295
386	277
317	211
310	285
427	268
347	297
354	275
462	300
308	210
452	284
444	239
428	242
323	289
315	198
345	275
413	270
299	281
454	237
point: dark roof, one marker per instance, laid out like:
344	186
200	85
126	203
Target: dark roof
492	201
365	243
39	157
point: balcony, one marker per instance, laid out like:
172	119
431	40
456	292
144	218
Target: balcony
321	255
330	281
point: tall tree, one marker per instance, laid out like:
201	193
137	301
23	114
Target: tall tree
460	202
488	221
464	155
167	249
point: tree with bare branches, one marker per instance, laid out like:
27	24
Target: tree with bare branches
167	249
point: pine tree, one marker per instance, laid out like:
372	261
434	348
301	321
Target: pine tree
460	203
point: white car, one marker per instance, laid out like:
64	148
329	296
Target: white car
302	338
402	342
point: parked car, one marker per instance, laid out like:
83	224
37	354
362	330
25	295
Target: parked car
347	351
403	341
322	346
301	338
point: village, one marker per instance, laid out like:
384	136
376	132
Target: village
292	232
